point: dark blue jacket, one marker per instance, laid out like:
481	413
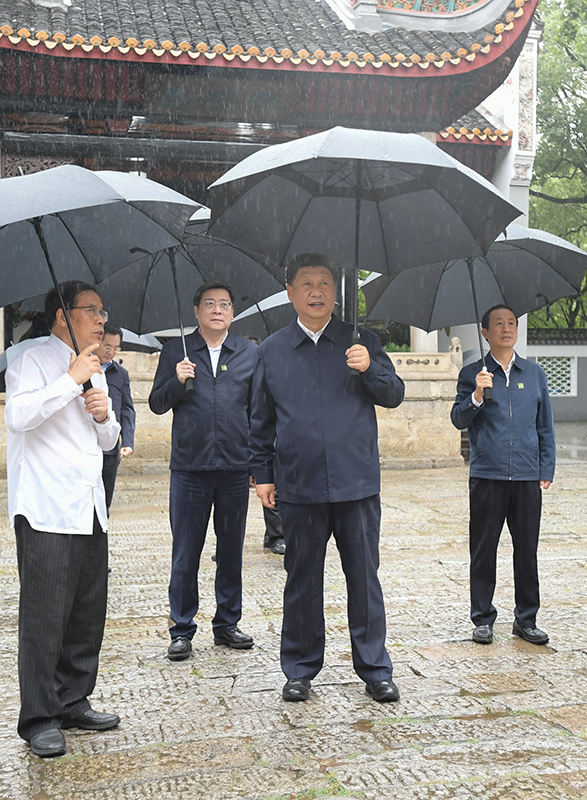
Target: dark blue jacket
512	436
122	405
210	424
314	419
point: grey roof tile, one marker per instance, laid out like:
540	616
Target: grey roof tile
293	24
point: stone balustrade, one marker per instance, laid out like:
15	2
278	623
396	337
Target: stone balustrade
416	435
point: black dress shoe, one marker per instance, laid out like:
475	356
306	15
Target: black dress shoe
92	720
279	547
234	638
532	635
383	691
48	743
483	634
179	649
296	689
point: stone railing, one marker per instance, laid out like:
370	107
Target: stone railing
417	435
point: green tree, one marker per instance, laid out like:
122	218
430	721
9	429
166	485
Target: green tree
558	196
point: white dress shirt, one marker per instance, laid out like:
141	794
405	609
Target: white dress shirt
314	336
215	354
54	447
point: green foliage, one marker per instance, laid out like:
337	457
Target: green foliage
558	197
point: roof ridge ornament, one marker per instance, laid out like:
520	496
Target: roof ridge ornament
64	4
444	15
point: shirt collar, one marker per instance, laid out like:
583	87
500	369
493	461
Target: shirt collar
314	335
219	346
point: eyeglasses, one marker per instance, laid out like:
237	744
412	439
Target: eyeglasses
223	305
93	311
109	348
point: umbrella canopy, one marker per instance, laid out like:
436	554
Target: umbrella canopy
367	199
524	268
265	318
147	343
85	224
142	296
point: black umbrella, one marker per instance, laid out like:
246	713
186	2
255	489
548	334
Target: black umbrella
143	298
524	268
70	223
367	199
156	293
265	317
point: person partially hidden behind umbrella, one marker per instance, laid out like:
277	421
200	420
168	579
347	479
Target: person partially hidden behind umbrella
118	381
209	464
314	434
512	460
56	433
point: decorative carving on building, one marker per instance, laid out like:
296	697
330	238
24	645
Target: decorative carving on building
432	6
13	166
522	172
527	107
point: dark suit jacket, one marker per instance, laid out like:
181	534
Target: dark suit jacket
211	424
315	419
122	405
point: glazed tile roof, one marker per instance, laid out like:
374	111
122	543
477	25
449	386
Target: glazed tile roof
271	32
474	127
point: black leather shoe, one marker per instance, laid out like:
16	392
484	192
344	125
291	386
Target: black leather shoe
279	547
179	649
383	691
296	689
92	720
532	635
234	638
48	743
483	634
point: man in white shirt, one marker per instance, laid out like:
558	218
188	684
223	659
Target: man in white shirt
56	432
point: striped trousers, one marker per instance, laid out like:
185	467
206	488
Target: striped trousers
62	611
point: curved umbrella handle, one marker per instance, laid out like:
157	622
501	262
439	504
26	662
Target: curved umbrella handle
355	339
487	392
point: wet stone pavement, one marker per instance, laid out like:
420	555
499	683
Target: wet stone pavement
503	721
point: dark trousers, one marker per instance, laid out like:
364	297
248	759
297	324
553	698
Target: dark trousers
63	589
491	504
307	529
191	497
109	471
273	526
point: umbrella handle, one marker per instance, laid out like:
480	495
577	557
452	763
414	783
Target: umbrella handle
189	384
355	339
487	391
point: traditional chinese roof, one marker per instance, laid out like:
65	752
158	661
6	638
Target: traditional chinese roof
475	128
265	33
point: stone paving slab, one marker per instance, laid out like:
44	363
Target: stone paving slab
502	722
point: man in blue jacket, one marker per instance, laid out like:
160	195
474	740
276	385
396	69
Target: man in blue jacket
209	464
314	434
118	381
512	460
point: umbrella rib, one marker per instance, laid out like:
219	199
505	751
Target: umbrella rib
154	261
550	266
447	265
382	233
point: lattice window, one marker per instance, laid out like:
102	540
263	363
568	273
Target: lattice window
561	374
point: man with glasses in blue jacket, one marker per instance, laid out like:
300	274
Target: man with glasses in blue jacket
209	464
512	461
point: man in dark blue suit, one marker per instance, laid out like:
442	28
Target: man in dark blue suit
209	464
314	434
119	390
